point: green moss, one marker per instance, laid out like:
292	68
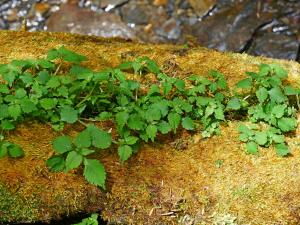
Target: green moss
14	208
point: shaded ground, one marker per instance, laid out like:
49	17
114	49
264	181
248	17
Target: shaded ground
178	180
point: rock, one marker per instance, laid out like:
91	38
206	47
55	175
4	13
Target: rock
110	4
136	13
231	28
160	2
71	18
170	30
275	46
203	6
41	9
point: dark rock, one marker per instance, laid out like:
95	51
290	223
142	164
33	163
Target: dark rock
275	46
202	7
71	18
137	13
110	4
230	29
170	30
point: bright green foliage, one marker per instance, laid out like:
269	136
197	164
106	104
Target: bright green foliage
40	89
92	220
269	102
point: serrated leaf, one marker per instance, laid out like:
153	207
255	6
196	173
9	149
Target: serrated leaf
14	111
100	138
94	172
73	160
62	144
27	106
164	127
56	163
234	104
83	139
151	131
4	89
7	125
287	124
246	83
279	71
121	119
124	152
174	120
15	151
68	114
153	114
278	138
289	90
48	103
135	122
277	95
278	110
252	148
131	140
261	138
282	149
262	94
188	123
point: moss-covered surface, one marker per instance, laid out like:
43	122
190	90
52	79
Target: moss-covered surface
175	179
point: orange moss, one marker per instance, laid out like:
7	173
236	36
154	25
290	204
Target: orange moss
165	182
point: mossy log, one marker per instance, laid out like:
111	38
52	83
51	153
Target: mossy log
175	179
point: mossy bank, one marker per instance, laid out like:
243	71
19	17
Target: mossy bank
181	179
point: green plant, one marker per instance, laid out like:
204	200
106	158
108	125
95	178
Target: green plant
92	220
57	90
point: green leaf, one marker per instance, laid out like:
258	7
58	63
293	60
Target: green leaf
289	90
4	89
262	94
174	120
164	127
66	55
73	160
261	138
27	106
252	148
100	138
246	83
278	138
62	144
277	95
278	110
187	123
131	140
4	148
153	114
287	124
279	71
68	114
282	149
83	139
15	151
7	125
94	172
92	220
56	163
234	104
121	119
135	122
48	103
14	111
151	131
124	152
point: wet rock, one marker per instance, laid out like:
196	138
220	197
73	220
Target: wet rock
170	30
275	46
41	9
202	7
160	2
136	13
71	18
110	4
231	28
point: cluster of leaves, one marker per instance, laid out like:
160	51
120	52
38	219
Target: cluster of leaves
58	90
268	101
92	220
